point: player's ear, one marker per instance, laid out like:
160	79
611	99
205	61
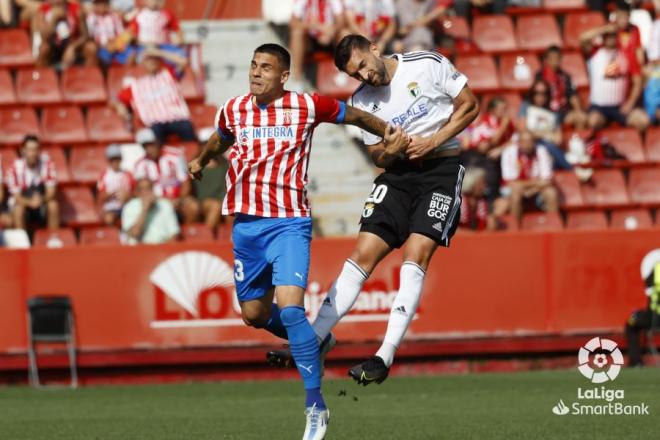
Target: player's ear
374	50
285	76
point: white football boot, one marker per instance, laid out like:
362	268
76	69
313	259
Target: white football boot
317	423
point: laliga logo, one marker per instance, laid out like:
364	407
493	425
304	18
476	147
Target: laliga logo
604	355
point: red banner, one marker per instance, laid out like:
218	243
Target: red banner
181	295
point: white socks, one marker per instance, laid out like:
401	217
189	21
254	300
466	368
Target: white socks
340	298
404	308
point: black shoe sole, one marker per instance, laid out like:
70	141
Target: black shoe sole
275	359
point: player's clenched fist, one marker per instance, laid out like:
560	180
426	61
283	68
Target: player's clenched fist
395	140
195	169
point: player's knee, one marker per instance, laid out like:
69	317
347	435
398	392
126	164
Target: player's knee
255	317
292	315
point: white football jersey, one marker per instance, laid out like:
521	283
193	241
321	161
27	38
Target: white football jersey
419	98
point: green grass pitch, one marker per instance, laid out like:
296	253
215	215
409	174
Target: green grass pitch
474	406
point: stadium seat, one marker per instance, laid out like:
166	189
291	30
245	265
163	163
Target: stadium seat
7	92
627	142
38	86
332	82
54	239
56	154
87	164
569	188
644	186
7	157
586	220
202	115
196	233
105	126
517	71
77	206
512	99
537	32
557	6
190	86
481	71
456	27
63	125
494	33
83	85
16	122
507	223
541	221
577	22
15	50
631	219
607	188
117	75
573	64
652	144
102	235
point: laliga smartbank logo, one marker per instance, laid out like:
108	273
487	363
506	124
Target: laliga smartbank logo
600	361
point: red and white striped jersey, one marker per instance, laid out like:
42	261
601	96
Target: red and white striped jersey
268	162
518	166
610	71
373	16
154	26
113	182
167	173
156	98
317	11
20	177
104	28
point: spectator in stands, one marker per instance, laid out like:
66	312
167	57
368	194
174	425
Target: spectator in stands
652	72
114	187
536	116
628	35
373	20
316	23
463	7
563	98
5	214
475	210
63	35
106	30
211	189
147	218
6	13
166	168
615	81
157	98
27	9
32	183
156	26
526	175
416	21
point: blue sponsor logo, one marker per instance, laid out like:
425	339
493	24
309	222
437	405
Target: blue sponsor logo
414	113
275	132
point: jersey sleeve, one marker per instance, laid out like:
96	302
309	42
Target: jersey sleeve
450	80
222	125
328	109
172	21
50	179
368	139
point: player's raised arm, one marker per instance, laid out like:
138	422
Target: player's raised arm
216	145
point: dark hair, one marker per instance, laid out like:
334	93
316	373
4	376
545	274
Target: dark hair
28	138
493	102
345	49
622	5
554	48
530	93
278	52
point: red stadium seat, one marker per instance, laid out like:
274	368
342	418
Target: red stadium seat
197	233
102	235
627	142
56	154
203	115
15	50
537	32
7	92
481	71
16	122
607	188
644	185
7	157
652	144
38	86
83	85
573	64
77	206
87	164
564	5
332	82
456	27
63	125
117	75
494	33
569	188
54	239
631	219
578	22
507	223
512	99
105	126
586	220
191	87
517	71
541	221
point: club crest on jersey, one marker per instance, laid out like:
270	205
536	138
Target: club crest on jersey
413	88
288	117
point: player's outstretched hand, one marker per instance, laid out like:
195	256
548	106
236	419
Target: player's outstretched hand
195	169
419	147
395	140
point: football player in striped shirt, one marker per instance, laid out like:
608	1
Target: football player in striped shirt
270	131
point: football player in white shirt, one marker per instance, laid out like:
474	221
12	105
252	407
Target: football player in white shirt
416	202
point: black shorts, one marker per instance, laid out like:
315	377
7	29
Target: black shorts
409	198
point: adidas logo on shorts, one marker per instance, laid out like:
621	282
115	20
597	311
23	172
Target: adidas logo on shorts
438	226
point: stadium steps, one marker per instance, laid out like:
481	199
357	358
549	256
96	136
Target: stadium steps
339	174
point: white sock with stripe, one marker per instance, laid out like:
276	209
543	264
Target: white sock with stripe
404	308
340	298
